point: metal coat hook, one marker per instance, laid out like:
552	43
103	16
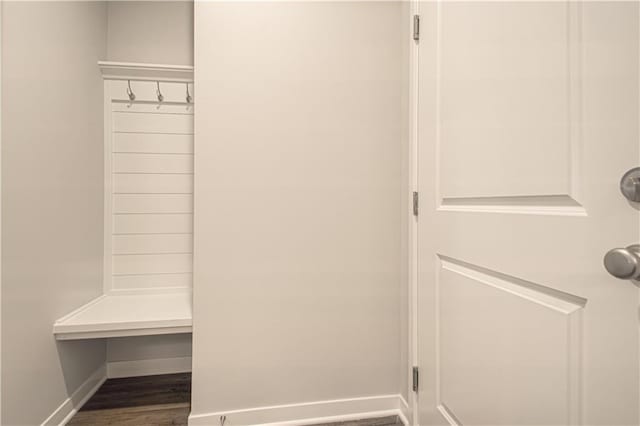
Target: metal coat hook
132	96
189	98
160	96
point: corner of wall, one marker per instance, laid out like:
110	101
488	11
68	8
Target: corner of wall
51	239
77	399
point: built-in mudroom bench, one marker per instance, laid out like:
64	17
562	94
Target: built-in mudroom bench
120	315
148	206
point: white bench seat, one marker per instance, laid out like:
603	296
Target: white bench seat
119	315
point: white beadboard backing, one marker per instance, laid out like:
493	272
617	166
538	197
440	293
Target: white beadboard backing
152	163
125	282
131	183
153	143
150	187
152	223
152	243
152	203
134	264
131	122
153	107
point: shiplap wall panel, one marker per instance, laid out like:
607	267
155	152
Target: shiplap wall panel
128	122
152	107
151	264
122	282
152	223
152	163
152	143
152	243
151	183
153	203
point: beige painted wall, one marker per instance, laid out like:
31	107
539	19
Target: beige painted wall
298	214
51	198
157	32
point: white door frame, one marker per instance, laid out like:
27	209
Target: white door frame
414	9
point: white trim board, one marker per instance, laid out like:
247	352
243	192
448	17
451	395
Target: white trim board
308	413
78	398
414	359
148	367
406	412
139	71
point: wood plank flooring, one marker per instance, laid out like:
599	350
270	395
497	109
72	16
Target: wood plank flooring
381	421
142	391
162	400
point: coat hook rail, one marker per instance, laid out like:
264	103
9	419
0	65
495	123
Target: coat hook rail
141	93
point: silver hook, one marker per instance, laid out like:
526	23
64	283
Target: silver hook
132	96
160	97
189	98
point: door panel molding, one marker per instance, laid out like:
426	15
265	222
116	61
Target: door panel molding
546	296
505	177
561	205
508	342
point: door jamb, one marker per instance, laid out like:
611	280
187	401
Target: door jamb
414	9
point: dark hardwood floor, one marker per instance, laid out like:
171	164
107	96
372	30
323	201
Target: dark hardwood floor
135	401
381	421
162	400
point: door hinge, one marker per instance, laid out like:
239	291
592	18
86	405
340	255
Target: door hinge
416	27
415	203
416	377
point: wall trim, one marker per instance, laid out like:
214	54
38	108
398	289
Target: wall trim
148	367
406	412
309	413
137	71
71	405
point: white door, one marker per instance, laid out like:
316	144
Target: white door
527	120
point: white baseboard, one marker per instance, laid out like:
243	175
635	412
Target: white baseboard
307	413
406	415
71	405
148	367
